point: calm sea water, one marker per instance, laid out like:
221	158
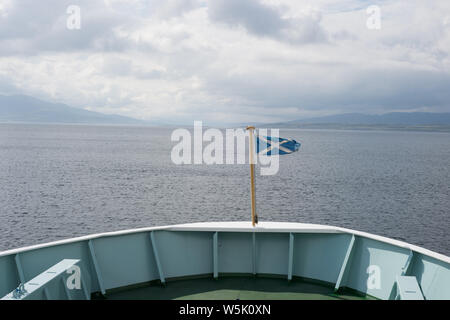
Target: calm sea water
62	181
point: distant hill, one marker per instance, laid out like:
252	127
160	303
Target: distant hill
394	120
20	108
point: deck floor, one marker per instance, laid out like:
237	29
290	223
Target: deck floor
233	288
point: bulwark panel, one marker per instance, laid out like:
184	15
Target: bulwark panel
185	253
320	256
9	277
272	253
235	252
125	259
433	277
375	266
36	261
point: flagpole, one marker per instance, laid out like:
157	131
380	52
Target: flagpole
252	175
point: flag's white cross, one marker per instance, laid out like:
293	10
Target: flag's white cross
272	144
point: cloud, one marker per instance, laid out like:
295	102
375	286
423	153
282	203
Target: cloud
174	8
345	89
123	67
268	21
228	60
28	28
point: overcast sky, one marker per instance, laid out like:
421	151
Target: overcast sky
228	60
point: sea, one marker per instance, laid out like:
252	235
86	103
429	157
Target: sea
63	181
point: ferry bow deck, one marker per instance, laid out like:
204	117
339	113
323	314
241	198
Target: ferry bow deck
226	260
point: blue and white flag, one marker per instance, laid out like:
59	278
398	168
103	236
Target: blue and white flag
268	146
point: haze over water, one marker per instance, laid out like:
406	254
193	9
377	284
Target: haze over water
62	181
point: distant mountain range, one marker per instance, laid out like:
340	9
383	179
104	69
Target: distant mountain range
20	108
394	120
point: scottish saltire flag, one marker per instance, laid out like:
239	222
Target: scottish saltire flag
268	146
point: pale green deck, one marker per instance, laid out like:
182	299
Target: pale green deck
233	288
